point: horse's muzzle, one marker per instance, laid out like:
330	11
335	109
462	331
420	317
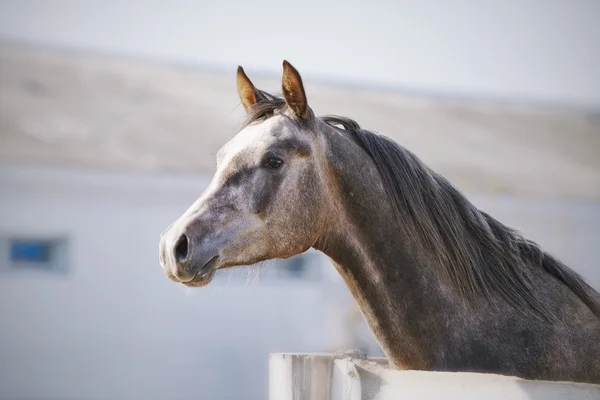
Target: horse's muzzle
185	259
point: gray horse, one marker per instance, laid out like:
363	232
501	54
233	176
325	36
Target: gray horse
443	285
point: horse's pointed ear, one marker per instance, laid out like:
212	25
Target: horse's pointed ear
293	90
249	95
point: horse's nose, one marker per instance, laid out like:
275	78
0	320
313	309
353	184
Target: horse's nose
176	258
181	251
185	250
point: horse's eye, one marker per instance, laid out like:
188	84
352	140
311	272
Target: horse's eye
274	162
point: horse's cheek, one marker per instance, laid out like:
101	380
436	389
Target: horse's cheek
264	190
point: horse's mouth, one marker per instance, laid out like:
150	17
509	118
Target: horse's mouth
204	275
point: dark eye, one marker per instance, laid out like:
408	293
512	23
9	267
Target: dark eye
274	162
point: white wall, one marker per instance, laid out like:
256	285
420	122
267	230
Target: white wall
531	50
115	327
340	377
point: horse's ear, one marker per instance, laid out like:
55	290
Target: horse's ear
249	95
293	90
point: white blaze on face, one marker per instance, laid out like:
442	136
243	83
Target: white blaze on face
252	139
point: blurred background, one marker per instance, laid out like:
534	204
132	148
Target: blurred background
111	113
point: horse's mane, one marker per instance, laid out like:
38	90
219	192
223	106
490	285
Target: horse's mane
480	255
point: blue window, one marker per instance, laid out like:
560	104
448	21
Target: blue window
30	251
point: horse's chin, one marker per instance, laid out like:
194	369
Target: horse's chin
205	274
201	279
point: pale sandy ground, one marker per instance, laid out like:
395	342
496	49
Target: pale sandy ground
105	113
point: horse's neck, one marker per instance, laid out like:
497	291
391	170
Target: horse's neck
398	297
403	299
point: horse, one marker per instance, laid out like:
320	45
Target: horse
442	285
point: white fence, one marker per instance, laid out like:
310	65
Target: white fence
350	376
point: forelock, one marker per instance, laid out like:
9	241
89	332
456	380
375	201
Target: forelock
267	106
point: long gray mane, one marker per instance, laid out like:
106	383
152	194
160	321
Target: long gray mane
480	255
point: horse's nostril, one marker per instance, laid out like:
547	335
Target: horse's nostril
181	248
